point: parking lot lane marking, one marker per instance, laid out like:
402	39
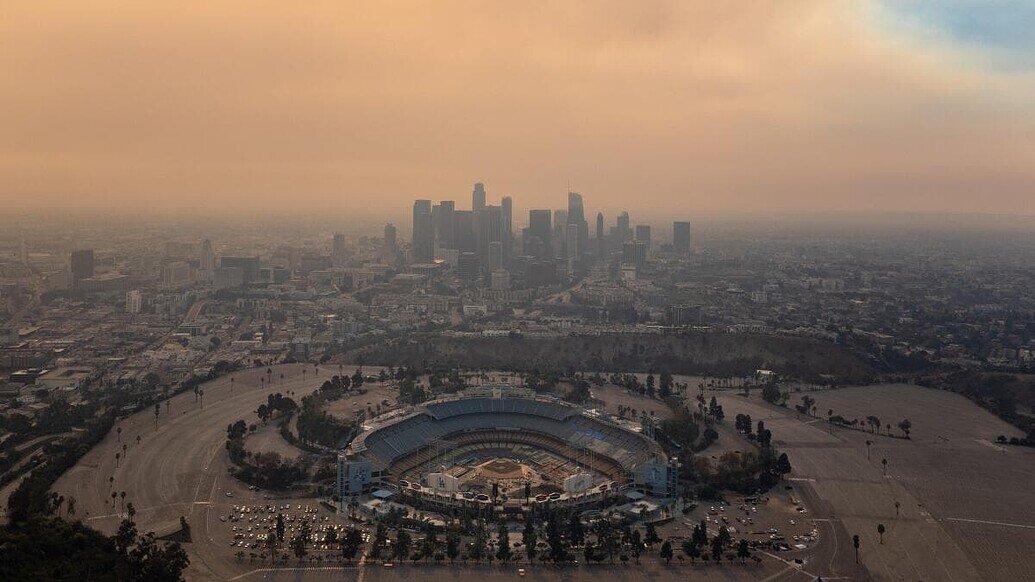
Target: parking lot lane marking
986	522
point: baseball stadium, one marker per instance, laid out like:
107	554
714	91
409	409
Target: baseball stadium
503	447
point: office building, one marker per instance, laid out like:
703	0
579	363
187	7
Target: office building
680	315
681	236
507	205
467	266
634	253
622	224
338	250
176	274
82	266
423	245
490	231
389	242
500	280
249	267
134	301
643	234
478	197
444	217
463	221
577	218
539	234
208	257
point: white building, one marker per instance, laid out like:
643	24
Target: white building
134	301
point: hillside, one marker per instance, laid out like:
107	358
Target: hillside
692	354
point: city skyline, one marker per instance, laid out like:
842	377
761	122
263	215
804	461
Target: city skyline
797	107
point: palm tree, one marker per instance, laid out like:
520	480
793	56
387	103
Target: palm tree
868	443
114	495
885	463
897	506
158	409
117	457
201	394
231	384
138	439
880	532
111	482
855	542
123	496
118	434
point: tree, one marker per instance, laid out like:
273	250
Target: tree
502	544
479	545
452	546
530	539
770	393
666	551
652	535
874	423
665	386
691	549
636	544
717	548
855	544
884	462
402	545
905	426
300	543
350	544
575	532
558	553
158	410
898	505
743	550
280	527
880	532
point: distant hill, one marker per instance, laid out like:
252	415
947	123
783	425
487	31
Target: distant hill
690	353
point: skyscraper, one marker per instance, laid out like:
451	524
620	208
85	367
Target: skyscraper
445	224
82	266
490	231
478	197
507	204
338	250
389	246
423	232
681	236
623	227
643	234
577	218
540	231
601	243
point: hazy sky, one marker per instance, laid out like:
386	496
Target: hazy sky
360	107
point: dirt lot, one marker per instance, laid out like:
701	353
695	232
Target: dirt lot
965	505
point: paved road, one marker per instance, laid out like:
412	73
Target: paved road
180	468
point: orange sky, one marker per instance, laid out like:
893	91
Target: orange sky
356	107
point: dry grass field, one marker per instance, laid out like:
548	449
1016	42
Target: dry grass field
965	505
